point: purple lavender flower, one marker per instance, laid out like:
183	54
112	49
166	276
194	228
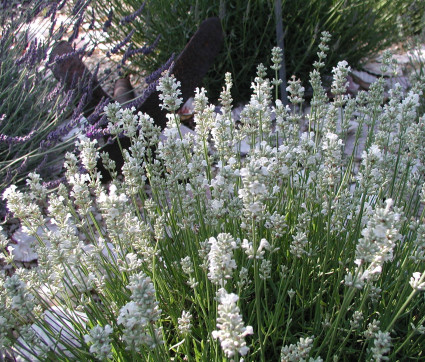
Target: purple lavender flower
16	139
55	136
98	110
145	50
110	141
91	26
95	133
61	58
8	176
117	47
41	52
30	56
108	22
102	122
42	164
44	145
80	6
55	183
76	28
137	102
77	7
23	166
69	97
52	12
60	31
129	18
52	27
79	110
74	81
168	65
88	88
62	4
11	174
53	94
127	54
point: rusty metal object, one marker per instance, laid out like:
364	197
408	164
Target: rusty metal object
123	91
190	68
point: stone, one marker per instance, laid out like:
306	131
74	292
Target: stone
374	68
183	131
57	321
363	79
403	81
187	109
23	244
416	57
353	87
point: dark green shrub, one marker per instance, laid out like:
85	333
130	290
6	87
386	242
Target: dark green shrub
359	28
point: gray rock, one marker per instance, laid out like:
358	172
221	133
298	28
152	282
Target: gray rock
374	67
353	87
363	79
403	81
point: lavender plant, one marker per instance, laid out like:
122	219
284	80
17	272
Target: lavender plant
309	248
37	111
32	103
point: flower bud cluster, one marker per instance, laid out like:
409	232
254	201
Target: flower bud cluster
138	317
298	352
376	246
231	330
100	341
220	258
169	89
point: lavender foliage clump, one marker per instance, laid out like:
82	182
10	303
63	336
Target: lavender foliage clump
33	104
38	113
